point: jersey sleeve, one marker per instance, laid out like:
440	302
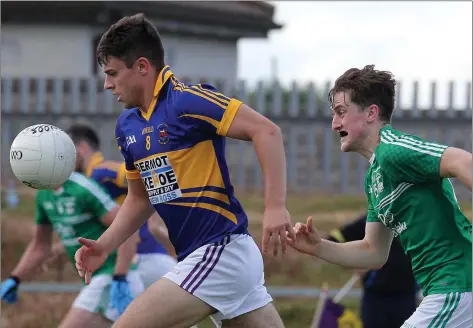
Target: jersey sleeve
349	232
412	160
130	170
202	106
40	214
95	198
371	216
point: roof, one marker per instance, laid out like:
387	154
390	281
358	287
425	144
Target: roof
233	19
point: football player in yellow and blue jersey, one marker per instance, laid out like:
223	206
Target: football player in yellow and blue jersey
153	258
172	137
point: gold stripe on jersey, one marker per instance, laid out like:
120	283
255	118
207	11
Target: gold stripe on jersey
210	194
213	93
132	175
229	215
163	76
207	119
228	116
199	93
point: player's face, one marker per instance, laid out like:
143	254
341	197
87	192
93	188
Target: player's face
349	121
126	83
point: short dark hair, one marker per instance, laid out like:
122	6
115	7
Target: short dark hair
366	87
81	132
130	38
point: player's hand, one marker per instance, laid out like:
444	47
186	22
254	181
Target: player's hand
89	258
9	289
307	237
276	227
120	294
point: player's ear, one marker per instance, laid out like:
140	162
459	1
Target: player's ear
143	66
373	113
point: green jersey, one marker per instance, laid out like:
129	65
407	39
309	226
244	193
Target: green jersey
74	210
406	193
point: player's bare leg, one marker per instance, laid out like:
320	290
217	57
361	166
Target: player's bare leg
79	318
265	317
164	305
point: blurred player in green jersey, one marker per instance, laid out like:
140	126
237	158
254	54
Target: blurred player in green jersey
79	208
410	197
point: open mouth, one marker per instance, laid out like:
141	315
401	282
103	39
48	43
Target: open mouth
342	134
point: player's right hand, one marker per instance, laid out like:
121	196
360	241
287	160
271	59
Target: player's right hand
307	237
89	258
9	289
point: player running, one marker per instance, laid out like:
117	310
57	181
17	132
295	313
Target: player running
154	259
79	208
410	197
172	137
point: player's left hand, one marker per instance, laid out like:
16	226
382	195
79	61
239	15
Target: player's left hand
120	294
277	228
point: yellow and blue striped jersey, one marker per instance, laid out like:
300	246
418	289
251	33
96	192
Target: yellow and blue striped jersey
177	148
111	175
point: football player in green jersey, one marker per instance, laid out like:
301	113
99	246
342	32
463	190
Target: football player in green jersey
410	197
79	208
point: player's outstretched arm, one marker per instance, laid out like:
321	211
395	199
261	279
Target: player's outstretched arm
267	140
370	253
457	163
127	250
36	253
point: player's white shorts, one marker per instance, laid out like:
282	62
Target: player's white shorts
94	297
452	310
153	266
227	275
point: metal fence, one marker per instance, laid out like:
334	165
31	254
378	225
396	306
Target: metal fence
314	160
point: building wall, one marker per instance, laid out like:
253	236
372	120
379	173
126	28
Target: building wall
46	51
67	51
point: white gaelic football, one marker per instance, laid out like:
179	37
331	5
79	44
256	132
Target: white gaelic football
42	156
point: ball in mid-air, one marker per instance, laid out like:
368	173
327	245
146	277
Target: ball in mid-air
42	156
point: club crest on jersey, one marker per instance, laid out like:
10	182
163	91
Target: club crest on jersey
377	183
163	137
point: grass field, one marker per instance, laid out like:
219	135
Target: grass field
46	310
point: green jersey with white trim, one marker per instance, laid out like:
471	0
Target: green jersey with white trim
74	210
406	193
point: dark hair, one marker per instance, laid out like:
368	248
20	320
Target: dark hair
366	87
81	132
130	38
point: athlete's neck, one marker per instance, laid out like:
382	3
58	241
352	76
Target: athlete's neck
148	93
372	140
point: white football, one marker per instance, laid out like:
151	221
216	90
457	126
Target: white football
42	156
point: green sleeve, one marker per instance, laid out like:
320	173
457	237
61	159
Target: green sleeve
412	160
371	217
95	198
40	214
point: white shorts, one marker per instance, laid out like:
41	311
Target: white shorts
452	310
153	266
94	297
227	275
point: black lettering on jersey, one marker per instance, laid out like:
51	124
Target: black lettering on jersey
171	176
148	182
152	164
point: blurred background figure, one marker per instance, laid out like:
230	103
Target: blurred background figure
390	293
